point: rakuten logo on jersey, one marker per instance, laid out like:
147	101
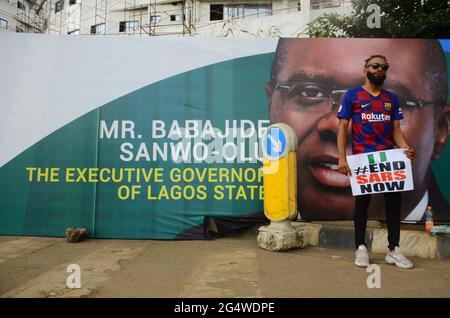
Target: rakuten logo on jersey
371	117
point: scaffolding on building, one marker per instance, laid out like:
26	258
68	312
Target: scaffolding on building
130	24
100	13
28	20
142	17
74	17
188	17
148	17
55	14
151	13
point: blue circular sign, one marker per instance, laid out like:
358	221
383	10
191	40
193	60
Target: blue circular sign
275	143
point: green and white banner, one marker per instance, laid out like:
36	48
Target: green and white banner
159	138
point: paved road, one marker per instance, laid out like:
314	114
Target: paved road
227	267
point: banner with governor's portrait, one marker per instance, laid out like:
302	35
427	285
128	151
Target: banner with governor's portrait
160	138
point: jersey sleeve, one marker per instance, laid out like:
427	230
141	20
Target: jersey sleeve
397	110
345	110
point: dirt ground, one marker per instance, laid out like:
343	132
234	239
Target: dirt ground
226	267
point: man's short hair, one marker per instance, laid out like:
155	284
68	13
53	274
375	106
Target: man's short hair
372	57
436	70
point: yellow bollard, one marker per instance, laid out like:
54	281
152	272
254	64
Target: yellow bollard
279	147
280	173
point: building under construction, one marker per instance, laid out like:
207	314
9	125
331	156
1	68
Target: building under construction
144	17
22	16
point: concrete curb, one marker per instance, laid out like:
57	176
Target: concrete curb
340	235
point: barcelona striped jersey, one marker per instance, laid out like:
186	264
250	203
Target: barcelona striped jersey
371	117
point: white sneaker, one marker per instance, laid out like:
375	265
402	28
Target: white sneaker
362	257
396	257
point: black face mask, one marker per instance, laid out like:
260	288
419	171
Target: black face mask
377	81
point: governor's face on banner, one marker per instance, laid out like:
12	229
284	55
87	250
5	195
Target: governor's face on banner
308	79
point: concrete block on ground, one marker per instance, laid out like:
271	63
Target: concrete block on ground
341	237
276	239
350	223
312	231
443	246
412	243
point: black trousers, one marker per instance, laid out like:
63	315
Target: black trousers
393	202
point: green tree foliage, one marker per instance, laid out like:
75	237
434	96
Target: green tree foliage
399	19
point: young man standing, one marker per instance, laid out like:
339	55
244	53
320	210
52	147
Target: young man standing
369	136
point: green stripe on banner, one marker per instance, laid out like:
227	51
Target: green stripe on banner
383	156
162	211
371	159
